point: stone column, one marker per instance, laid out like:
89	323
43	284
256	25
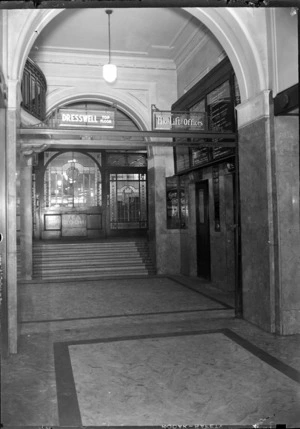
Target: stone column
269	194
164	243
3	229
26	217
11	224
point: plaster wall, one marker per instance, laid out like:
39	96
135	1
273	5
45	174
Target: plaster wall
283	49
138	87
225	23
198	62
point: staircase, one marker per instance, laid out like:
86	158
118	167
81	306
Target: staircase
105	259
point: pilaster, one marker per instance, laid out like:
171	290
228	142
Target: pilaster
3	228
26	217
164	243
11	222
269	193
11	231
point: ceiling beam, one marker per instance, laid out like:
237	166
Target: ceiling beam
121	136
112	144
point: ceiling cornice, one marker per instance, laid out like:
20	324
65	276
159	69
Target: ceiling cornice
79	57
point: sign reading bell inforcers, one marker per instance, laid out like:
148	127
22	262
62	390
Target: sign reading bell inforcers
90	118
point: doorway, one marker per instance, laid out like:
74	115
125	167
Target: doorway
90	195
203	230
127	203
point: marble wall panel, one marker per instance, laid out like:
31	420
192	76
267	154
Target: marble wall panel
185	259
255	223
287	175
168	252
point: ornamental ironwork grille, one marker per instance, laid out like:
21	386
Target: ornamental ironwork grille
33	89
128	201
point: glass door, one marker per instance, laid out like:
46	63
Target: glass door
127	202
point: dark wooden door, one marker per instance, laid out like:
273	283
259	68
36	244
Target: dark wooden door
203	234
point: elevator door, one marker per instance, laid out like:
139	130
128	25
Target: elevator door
203	234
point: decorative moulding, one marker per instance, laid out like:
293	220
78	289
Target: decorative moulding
96	59
142	96
28	119
254	109
192	46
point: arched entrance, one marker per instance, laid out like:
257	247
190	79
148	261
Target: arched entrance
92	191
70	195
90	194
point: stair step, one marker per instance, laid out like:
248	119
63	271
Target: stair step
86	246
92	256
90	260
77	254
87	269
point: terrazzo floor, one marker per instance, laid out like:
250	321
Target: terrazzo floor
152	358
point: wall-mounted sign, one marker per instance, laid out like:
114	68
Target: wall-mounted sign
82	118
163	120
220	108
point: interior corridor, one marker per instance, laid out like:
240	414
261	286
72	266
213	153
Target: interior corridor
142	351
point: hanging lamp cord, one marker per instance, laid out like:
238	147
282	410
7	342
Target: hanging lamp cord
109	12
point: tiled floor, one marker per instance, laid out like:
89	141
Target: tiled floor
145	352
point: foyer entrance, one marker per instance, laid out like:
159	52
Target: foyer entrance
90	194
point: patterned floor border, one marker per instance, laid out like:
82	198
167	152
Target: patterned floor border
68	407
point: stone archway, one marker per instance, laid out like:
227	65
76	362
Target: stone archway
225	24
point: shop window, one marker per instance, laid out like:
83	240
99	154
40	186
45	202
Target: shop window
72	179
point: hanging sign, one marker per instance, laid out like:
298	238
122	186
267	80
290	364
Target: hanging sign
83	118
185	121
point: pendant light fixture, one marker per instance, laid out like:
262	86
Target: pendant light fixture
109	70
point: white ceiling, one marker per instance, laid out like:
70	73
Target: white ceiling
137	32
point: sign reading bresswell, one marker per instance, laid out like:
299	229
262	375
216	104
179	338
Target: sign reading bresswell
163	120
82	118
